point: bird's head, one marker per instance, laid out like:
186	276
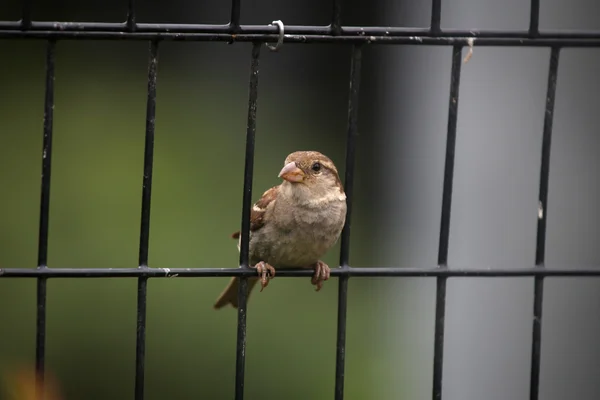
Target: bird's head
311	175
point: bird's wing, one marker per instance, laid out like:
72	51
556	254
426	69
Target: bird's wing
259	210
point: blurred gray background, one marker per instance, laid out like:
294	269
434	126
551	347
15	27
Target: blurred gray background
199	150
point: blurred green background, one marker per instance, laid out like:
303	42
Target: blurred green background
99	127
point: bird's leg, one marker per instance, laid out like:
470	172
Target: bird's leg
322	272
265	272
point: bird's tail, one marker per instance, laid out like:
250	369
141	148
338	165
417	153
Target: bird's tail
230	294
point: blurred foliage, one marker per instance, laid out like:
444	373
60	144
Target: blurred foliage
99	127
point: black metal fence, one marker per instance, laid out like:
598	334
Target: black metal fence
357	37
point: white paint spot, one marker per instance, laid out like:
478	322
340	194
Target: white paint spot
470	42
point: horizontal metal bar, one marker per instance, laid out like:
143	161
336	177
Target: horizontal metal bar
296	34
358	272
290	38
57	26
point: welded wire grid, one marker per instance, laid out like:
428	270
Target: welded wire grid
357	37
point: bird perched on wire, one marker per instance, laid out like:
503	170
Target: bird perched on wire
294	224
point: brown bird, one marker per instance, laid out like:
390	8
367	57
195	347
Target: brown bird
295	223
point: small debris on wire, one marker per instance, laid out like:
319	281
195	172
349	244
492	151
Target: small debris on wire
470	42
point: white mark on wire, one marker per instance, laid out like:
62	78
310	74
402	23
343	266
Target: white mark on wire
470	42
540	210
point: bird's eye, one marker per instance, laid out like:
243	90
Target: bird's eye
316	167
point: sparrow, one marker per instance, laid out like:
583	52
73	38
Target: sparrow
295	223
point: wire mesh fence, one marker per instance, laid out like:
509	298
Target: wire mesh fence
355	38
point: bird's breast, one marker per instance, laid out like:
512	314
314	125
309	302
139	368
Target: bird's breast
299	236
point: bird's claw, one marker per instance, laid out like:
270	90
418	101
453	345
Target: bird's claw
322	272
265	272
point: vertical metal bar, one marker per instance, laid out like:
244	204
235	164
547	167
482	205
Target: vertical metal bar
40	340
538	289
545	163
131	16
234	21
240	359
26	14
140	351
140	347
40	350
534	18
440	303
336	23
436	16
352	132
340	359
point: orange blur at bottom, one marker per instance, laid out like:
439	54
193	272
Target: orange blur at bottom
20	384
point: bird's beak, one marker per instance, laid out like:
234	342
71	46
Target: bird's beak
291	173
